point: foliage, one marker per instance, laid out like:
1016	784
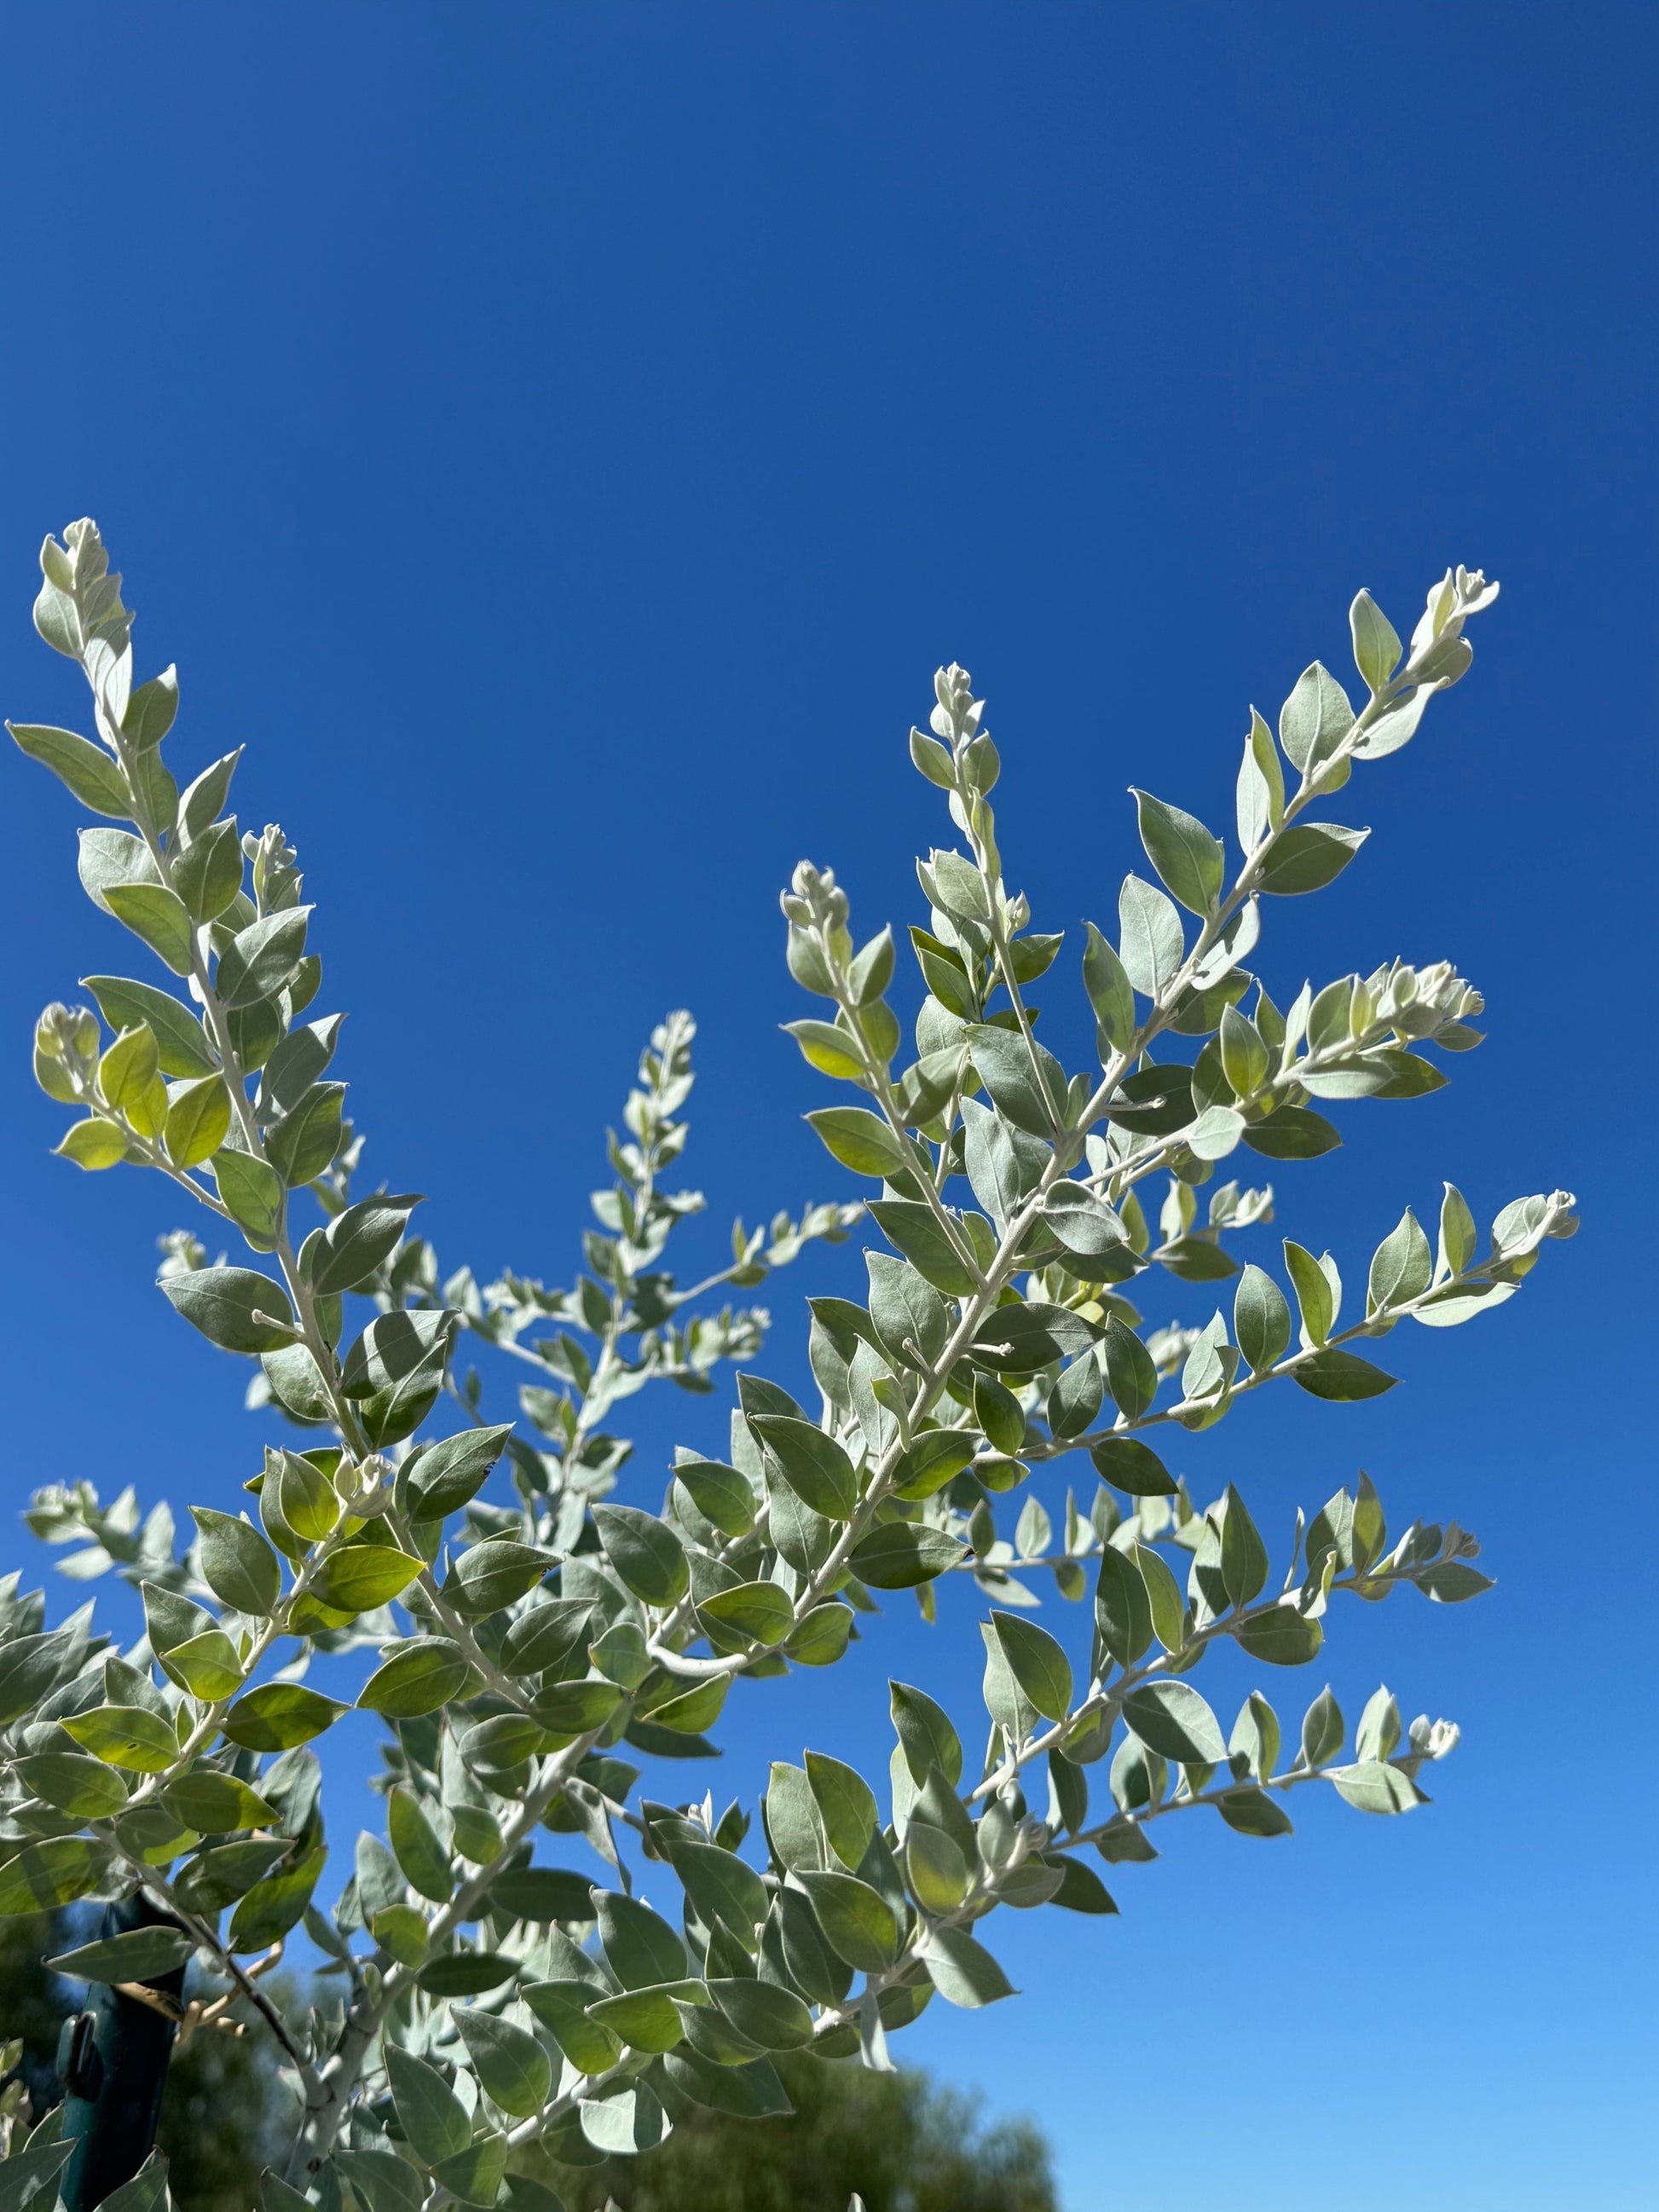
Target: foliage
493	2009
222	2115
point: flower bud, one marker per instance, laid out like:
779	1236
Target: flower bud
365	1486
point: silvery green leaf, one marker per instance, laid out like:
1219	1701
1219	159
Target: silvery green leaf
962	1970
1376	646
1262	1320
1373	1786
1153	945
1110	992
1309	855
1188	859
1322	1729
87	769
1016	1075
1261	789
1396	725
1315	718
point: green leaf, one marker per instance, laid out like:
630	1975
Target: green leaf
434	2120
760	1613
1036	1663
935	1868
208	1666
1280	1637
73	1783
1153	944
444	1476
238	1564
1131	1376
722	1888
354	1244
1377	648
963	1971
645	1552
642	1950
901	1554
1373	1786
261	958
822	1638
1122	1613
774	2018
934	1458
1262	1320
157	915
215	1803
223	1302
279	1716
857	1922
514	2070
909	1316
828	1049
475	2174
360	1576
1129	1465
1110	994
252	1192
302	1144
1260	788
275	1905
198	1120
1188	860
860	1141
1309	855
570	1709
915	1230
542	1893
1022	1339
812	1462
125	1735
925	1733
42	1876
1402	1267
87	770
93	1144
847	1806
1449	1581
1243	1555
208	873
1163	1599
125	1005
1171	1719
1314	1292
720	1493
622	2119
466	1973
1341	1375
1293	1133
136	1956
1085	1225
1008	1068
1253	1813
1315	718
380	2181
492	1574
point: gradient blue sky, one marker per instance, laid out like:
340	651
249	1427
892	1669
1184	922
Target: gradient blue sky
561	441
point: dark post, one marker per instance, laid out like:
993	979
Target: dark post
113	2063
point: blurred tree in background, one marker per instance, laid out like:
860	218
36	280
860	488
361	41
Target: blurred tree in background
223	2117
903	2144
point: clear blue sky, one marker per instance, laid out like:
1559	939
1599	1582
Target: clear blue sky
561	442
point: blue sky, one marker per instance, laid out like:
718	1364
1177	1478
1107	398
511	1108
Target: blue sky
561	442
